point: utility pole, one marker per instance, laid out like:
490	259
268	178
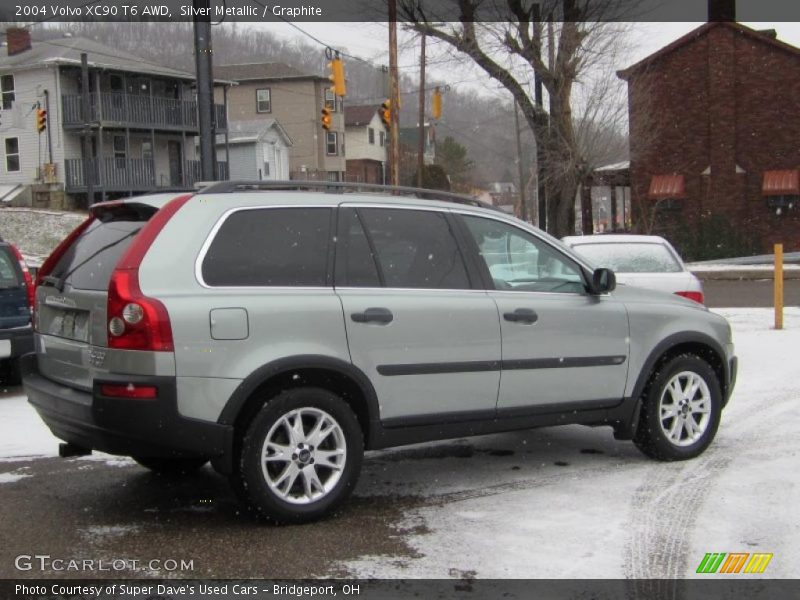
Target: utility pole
523	205
394	130
86	146
205	89
421	146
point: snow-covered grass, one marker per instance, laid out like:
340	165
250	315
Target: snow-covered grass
36	232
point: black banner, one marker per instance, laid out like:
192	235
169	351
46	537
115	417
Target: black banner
28	11
712	588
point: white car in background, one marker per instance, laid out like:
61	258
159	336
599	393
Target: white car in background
647	261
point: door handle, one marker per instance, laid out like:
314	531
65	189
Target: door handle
522	315
382	316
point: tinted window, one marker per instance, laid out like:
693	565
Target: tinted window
89	262
356	265
415	249
519	261
270	247
8	270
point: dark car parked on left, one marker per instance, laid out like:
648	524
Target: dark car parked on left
16	300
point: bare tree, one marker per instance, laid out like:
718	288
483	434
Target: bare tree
556	41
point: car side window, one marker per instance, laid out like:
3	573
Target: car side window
414	249
355	261
519	261
270	247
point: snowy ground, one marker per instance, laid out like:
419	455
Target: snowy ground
571	501
36	232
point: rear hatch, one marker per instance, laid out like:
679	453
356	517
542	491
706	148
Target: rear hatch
71	299
14	308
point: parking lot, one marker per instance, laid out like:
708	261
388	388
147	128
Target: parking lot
560	502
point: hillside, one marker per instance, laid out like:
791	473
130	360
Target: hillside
36	232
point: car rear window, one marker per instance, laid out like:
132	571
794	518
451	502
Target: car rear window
89	262
631	257
9	270
270	247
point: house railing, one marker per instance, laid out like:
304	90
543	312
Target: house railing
140	111
131	174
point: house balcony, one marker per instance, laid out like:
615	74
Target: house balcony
111	174
116	110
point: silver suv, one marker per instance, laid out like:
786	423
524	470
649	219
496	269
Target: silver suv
281	330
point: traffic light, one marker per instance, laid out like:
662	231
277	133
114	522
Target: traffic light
337	77
436	104
41	120
326	119
386	113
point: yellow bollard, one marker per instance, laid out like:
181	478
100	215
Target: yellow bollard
778	286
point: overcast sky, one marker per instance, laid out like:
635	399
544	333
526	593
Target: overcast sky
370	41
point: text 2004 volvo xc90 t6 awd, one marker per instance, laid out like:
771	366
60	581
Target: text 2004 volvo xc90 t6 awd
280	332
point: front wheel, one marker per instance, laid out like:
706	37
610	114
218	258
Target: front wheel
680	410
301	456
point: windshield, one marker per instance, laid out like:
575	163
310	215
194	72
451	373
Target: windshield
631	257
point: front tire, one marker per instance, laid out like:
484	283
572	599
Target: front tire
681	409
301	456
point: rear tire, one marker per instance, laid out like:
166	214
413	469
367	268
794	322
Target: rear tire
171	466
301	456
681	408
10	372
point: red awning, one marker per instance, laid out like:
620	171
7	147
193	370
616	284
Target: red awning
781	183
667	186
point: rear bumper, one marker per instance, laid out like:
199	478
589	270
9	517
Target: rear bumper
21	339
152	428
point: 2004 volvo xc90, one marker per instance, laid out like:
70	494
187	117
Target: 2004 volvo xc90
279	331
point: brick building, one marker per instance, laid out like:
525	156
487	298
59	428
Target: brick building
715	141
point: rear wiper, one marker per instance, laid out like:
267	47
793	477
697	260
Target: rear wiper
50	280
58	282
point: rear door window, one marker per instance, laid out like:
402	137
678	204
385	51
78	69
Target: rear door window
414	249
284	247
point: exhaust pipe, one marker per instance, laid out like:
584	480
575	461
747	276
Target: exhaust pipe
68	450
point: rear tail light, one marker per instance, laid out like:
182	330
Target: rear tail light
696	296
26	276
135	392
135	321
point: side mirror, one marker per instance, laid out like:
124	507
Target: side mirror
603	280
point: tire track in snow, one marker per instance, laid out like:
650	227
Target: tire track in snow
667	502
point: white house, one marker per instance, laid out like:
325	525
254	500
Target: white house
141	122
256	150
366	147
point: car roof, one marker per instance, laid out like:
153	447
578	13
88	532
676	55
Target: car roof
618	238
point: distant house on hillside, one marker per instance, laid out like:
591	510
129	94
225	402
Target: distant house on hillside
295	99
142	122
366	150
257	149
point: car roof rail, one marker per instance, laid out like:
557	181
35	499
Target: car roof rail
339	187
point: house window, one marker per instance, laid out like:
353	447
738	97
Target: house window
119	151
116	83
371	135
7	88
331	143
330	100
12	154
382	138
263	100
147	150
